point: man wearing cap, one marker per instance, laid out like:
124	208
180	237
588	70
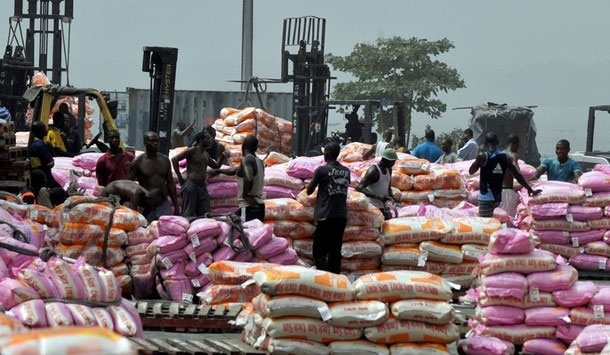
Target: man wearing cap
376	183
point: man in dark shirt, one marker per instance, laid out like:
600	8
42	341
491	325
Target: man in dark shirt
41	157
494	164
114	164
332	181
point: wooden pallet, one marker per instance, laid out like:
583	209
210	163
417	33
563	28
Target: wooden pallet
197	345
183	317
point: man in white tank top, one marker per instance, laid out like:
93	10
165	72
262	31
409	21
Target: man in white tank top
376	183
379	147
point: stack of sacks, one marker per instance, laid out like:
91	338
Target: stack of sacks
25	223
231	282
183	252
234	125
279	184
61	170
97	230
223	193
422	182
423	243
295	313
353	152
525	295
88	296
140	260
567	225
421	319
361	250
472	181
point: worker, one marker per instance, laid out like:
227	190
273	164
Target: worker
153	170
134	196
428	149
376	183
332	181
37	193
353	127
69	131
178	134
493	165
55	138
448	155
250	180
510	198
562	167
469	148
41	157
379	147
194	191
114	164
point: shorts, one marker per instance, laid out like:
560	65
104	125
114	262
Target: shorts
195	200
163	210
510	201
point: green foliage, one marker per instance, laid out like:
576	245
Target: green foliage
397	69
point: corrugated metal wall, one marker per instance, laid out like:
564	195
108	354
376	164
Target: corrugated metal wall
196	106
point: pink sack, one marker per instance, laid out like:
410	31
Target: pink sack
30	313
601	298
222	189
178	288
245	256
549	210
553	316
204	227
568	332
511	241
581	213
68	283
82	315
553	236
583	238
500	315
596	181
274	247
561	278
173	225
167	243
506	284
103	317
204	245
289	257
39	282
578	295
483	345
544	346
194	268
223	253
304	167
58	314
259	236
86	161
589	262
14	292
554	191
593	338
126	319
276	191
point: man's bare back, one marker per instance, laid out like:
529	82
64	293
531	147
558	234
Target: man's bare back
127	190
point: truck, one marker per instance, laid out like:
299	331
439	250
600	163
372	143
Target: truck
590	156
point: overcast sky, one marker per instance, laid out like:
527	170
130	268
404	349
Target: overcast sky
523	52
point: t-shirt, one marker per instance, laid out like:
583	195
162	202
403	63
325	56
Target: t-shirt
111	167
560	172
469	150
492	176
41	157
332	180
428	150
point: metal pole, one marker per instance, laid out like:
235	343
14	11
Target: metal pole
246	42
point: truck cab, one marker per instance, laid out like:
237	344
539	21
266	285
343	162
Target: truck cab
590	157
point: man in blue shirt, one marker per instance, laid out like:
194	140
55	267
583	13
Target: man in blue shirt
428	149
561	168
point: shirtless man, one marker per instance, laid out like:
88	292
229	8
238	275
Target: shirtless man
194	192
153	170
178	134
510	199
135	196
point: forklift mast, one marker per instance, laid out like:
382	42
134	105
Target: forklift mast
160	63
311	80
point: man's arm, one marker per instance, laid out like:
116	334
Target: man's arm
176	162
313	183
369	152
577	172
517	174
540	170
133	169
100	172
370	177
476	164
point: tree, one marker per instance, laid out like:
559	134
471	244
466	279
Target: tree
398	69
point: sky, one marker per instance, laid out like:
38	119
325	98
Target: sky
550	53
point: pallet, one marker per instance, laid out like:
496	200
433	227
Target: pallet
183	317
14	152
192	344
